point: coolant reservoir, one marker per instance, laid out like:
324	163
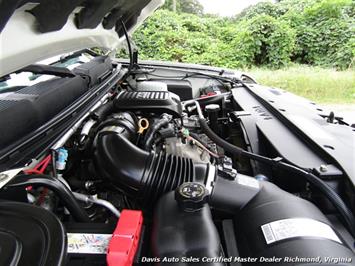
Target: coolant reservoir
183	230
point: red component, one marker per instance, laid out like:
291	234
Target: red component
38	170
125	239
211	93
40	167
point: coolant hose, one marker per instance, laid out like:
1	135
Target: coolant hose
230	147
333	197
61	190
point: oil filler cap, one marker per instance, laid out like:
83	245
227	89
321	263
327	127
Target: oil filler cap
191	196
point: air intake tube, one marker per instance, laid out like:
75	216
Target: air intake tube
144	175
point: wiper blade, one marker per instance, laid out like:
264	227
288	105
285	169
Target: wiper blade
47	70
4	78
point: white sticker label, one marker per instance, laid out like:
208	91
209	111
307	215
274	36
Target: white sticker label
297	227
88	243
247	181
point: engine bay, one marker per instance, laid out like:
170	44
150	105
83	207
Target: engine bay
182	162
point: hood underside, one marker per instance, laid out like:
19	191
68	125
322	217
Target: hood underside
35	30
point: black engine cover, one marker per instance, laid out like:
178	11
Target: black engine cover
149	101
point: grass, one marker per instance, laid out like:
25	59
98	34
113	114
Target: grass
318	84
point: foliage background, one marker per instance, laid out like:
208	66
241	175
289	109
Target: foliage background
272	35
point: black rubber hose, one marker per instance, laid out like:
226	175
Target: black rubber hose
314	180
207	100
61	190
212	99
104	110
164	121
333	197
143	175
125	120
230	147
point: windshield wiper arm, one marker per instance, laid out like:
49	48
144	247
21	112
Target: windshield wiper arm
47	70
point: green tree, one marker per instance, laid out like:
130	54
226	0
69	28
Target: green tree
264	40
315	32
262	8
184	6
325	34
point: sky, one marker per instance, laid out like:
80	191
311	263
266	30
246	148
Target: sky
226	7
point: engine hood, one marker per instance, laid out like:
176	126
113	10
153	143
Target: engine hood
33	30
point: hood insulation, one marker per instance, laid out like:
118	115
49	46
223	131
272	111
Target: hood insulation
35	30
52	15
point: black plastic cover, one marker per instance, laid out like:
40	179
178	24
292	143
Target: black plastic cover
29	108
182	88
181	234
273	204
30	235
149	101
96	70
230	196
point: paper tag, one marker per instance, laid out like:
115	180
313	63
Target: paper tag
88	243
297	227
247	181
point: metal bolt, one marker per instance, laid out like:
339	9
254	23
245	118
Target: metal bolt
89	184
323	168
